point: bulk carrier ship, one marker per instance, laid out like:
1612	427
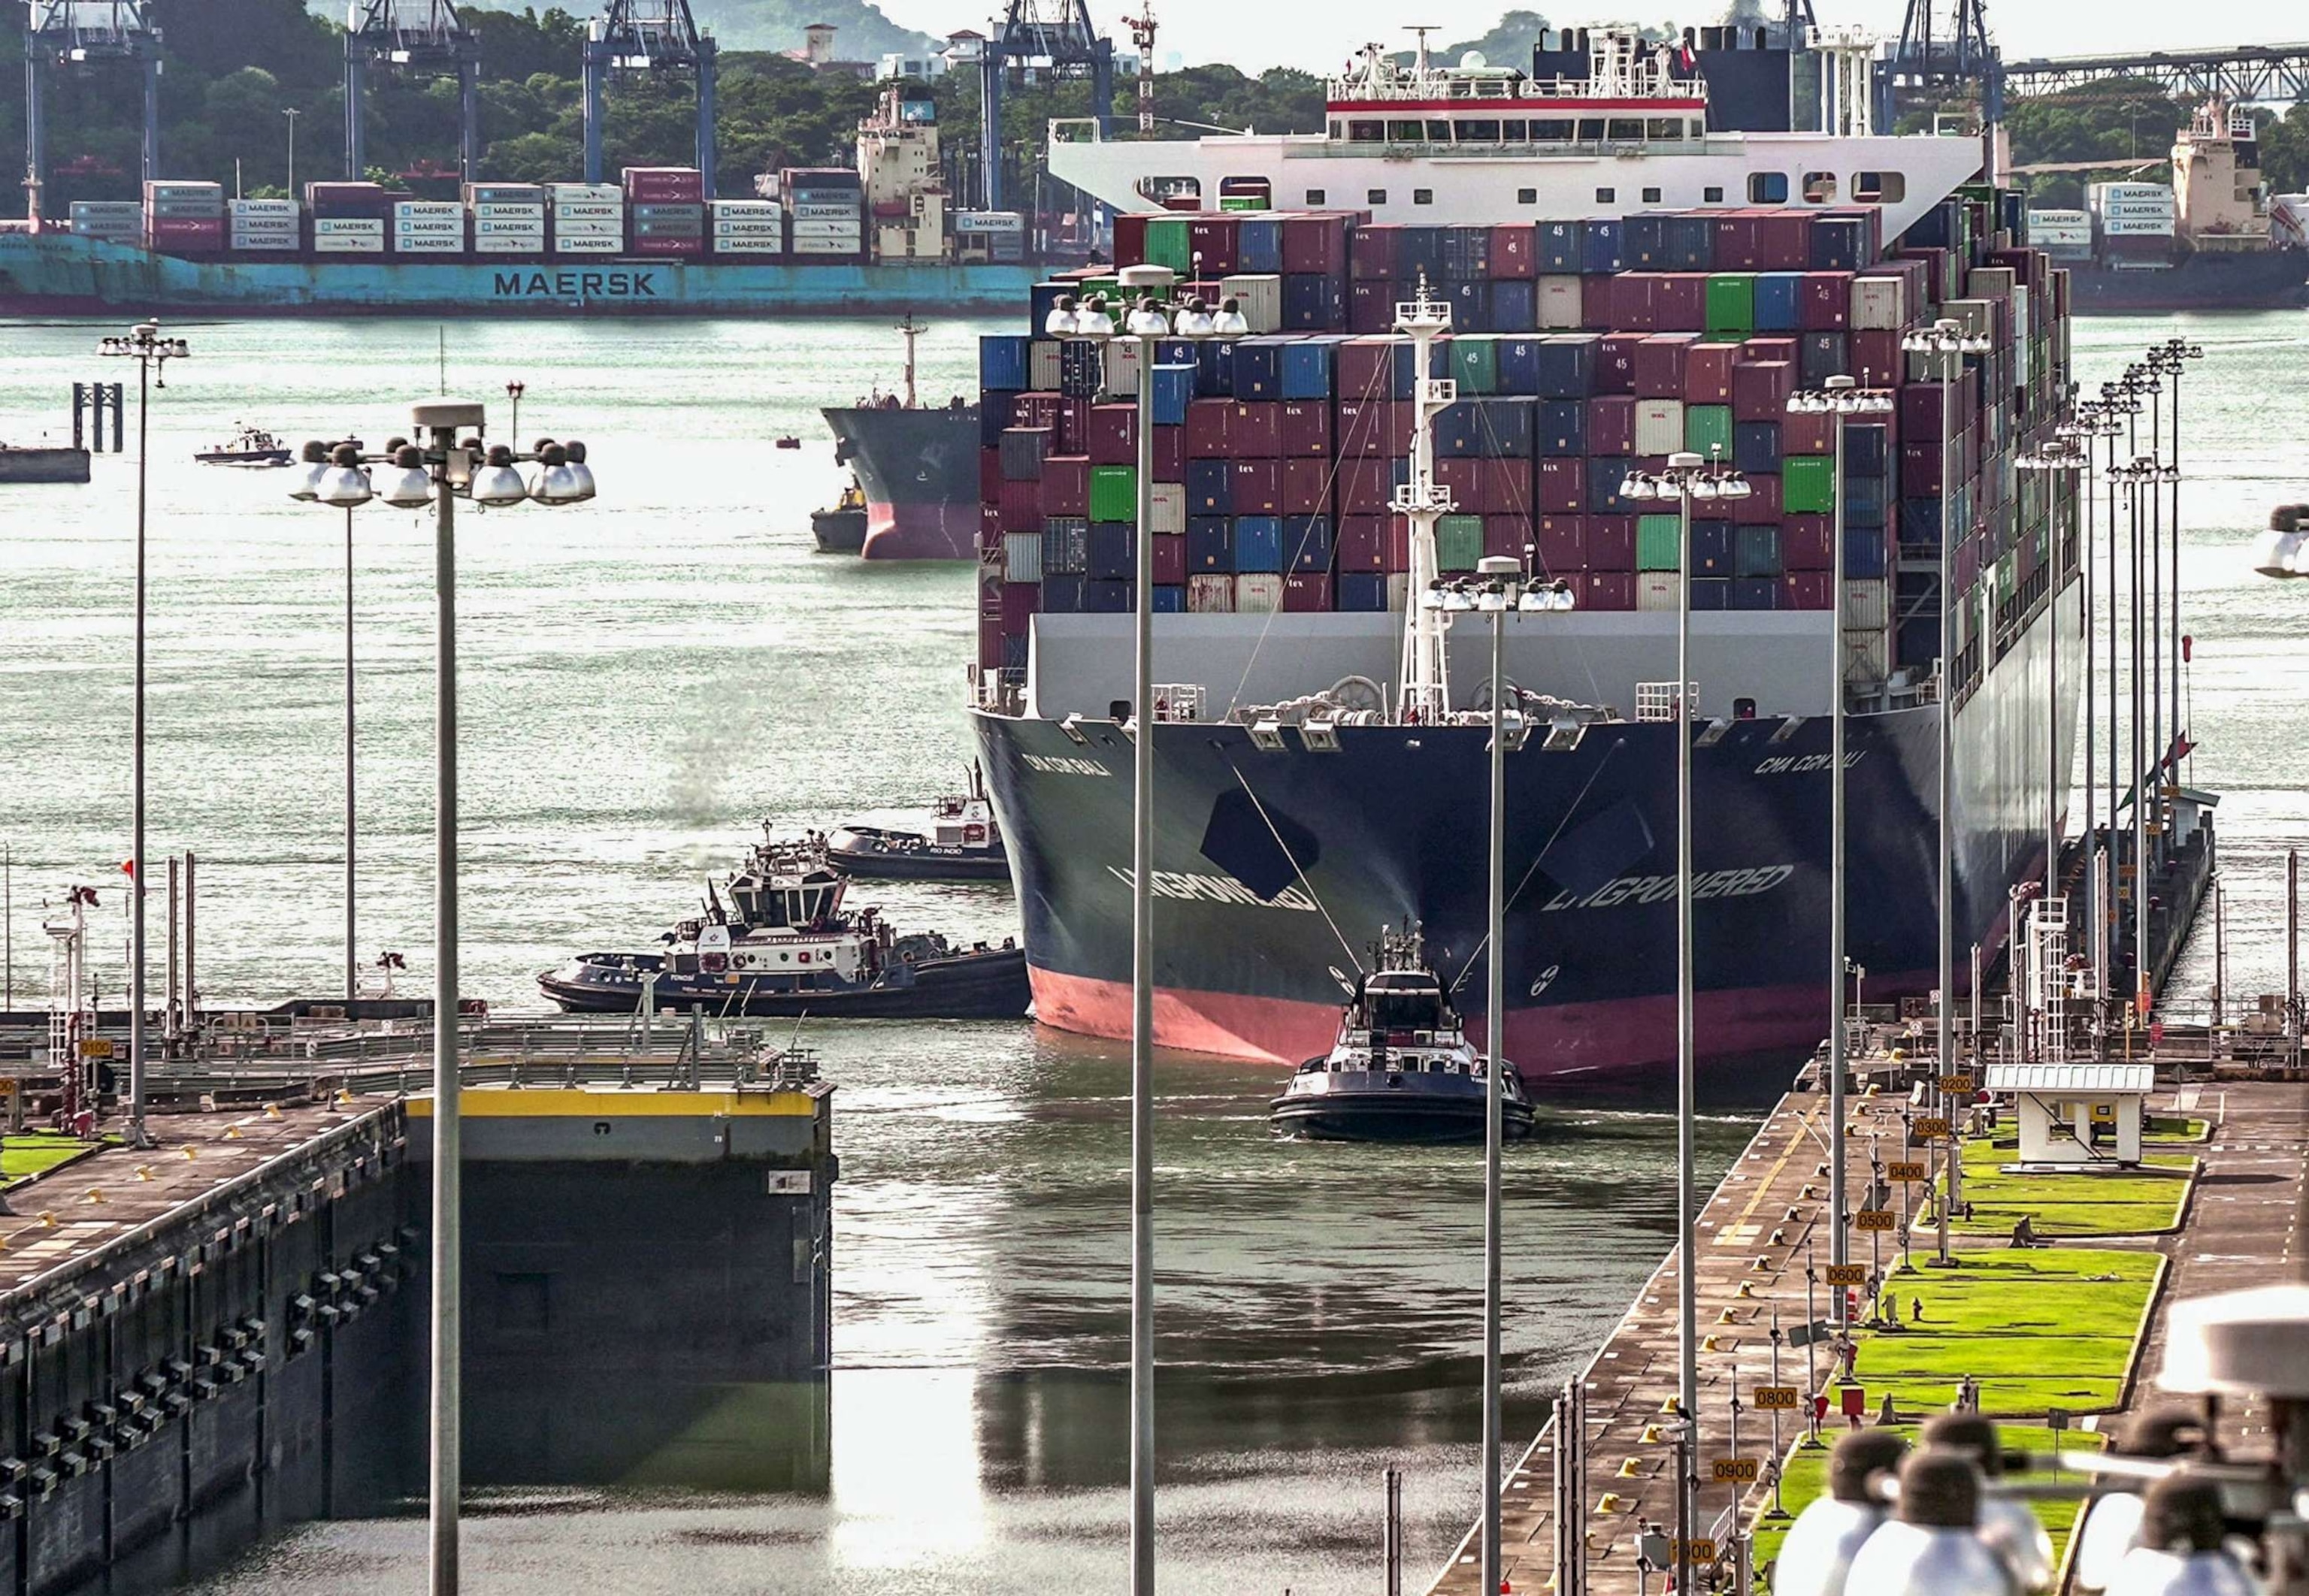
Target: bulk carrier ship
1640	258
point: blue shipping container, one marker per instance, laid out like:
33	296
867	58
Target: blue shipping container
1778	301
994	414
1169	601
1711	548
1214	370
1563	427
1210	488
1517	360
1106	598
1567	365
1711	593
1756	592
1307	368
1313	302
1061	595
1066	546
1643	243
1210	543
1174	386
1112	556
1557	245
1504	426
1258	368
1863	553
1002	362
1258	243
1307	542
1600	246
1515	306
1259	543
1690	242
1865	501
1756	552
1363	591
1605	472
1839	244
1867	449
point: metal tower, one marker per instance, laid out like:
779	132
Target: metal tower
648	36
1046	38
81	33
424	36
1954	55
1142	39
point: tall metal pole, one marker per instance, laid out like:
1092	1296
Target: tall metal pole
2117	895
2140	962
2180	360
2053	744
2155	555
2293	953
292	113
352	954
448	1282
1687	1230
1951	369
2096	936
136	1137
1840	1238
1495	1026
1142	1007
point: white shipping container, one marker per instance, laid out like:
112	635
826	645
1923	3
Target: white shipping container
2058	217
563	193
833	251
589	229
589	210
1560	303
589	245
1210	595
1258	297
349	226
1865	654
1167	513
508	212
825	212
747	208
2128	208
1042	365
510	243
429	245
266	237
347	244
1118	372
1865	603
1021	557
264	208
1398	590
1880	304
988	221
1659	426
451	226
487	227
426	209
1658	590
761	246
1257	592
2137	227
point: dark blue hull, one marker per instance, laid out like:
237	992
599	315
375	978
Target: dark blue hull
1276	868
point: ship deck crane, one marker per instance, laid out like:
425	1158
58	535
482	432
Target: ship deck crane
646	37
412	36
1959	55
82	34
1052	37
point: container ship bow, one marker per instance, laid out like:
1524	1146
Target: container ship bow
1320	759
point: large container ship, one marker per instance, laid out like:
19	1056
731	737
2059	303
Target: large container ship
1319	771
916	467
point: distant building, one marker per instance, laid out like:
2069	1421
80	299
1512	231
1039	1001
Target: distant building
920	69
817	53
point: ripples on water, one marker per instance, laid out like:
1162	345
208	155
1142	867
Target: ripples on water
641	681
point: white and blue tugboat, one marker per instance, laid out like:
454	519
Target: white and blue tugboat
963	844
1402	1070
776	940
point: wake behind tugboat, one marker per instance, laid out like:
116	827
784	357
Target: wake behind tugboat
1402	1070
783	944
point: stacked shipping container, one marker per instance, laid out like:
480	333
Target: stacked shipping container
186	218
1581	351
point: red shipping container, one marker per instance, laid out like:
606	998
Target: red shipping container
1920	468
1616	362
1806	433
1612	425
1612	544
1513	253
1207	427
1370	307
1073	428
1314	244
991	563
989	642
1761	508
1362	543
1464	481
1366	487
1597	305
1506	487
1066	485
1306	428
1680	302
1659	365
1130	238
1306	485
1170	453
1258	487
1169	553
1824	301
674	247
1374	426
1807	543
1210	245
1507	535
1020	601
1632	301
990	476
1562	542
1707	370
1783	242
1366	369
1114	435
1807	589
1371	254
1304	590
1737	248
1254	430
1022	507
1773	349
1607	590
1876	359
1563	485
1034	410
1760	390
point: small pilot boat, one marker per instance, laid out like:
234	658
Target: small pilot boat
251	447
963	844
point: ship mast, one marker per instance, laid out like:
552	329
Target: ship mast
1425	694
913	328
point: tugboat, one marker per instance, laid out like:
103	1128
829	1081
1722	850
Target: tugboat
963	844
252	446
783	945
2283	550
1402	1070
841	529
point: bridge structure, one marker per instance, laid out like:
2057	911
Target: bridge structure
2244	74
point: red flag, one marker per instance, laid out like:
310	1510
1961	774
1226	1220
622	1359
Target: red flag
128	866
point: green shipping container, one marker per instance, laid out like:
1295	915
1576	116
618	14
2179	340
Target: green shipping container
1166	243
1731	302
1459	542
1656	540
1114	493
1708	430
1475	364
1807	484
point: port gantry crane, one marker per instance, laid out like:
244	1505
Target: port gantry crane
1046	38
633	37
82	34
412	36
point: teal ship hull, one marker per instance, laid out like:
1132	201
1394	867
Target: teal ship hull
57	275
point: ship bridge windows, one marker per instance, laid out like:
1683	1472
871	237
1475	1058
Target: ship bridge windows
1819	188
1439	130
1767	188
1406	132
1552	130
1515	130
1163	190
1624	130
1366	130
1880	188
1664	127
1476	131
1591	130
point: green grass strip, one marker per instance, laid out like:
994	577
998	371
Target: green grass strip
33	1152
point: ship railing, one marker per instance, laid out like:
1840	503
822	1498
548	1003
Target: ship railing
1510	89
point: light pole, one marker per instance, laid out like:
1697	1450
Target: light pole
1687	477
1947	344
2091	421
2059	466
1501	587
2139	480
151	352
2168	360
316	470
1841	397
447	461
292	113
1144	324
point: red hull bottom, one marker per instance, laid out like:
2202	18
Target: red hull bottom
917	530
1563	1040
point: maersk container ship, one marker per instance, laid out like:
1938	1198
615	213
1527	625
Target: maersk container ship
1319	771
